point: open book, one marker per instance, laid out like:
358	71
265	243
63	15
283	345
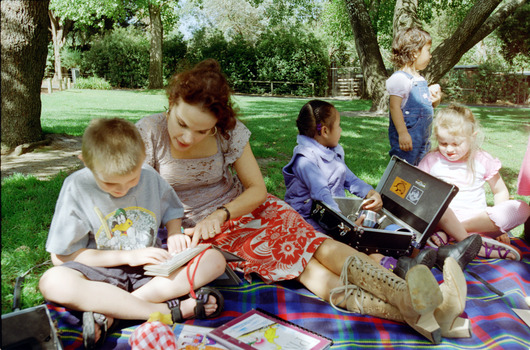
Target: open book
177	260
258	329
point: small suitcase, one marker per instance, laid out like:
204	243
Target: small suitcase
412	199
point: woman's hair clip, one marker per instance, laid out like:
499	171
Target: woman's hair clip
319	128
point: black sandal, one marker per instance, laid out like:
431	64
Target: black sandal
202	295
89	329
202	299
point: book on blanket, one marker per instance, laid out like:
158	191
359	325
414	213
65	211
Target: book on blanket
259	329
177	260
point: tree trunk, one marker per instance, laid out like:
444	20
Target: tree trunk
370	58
477	25
405	15
155	52
24	50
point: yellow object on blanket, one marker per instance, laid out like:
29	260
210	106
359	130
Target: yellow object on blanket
158	316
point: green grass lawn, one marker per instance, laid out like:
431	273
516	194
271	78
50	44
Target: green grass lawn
28	204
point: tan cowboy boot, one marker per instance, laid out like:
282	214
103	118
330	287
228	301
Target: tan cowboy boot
416	297
454	290
350	298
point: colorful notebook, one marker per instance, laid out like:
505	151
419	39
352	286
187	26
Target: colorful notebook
259	329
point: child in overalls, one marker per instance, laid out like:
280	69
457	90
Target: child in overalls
411	99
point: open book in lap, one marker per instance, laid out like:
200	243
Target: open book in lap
177	260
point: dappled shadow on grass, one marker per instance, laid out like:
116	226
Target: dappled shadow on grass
27	210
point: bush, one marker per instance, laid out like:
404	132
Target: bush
174	51
121	57
488	83
294	56
93	83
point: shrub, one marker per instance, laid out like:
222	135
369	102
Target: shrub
174	51
294	56
488	83
93	83
121	57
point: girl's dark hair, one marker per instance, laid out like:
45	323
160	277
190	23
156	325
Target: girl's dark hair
313	116
406	43
205	86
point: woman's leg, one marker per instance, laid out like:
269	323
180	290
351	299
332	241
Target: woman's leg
416	298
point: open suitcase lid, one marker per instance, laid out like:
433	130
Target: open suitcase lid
414	196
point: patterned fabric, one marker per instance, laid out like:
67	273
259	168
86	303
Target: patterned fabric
494	323
153	336
274	240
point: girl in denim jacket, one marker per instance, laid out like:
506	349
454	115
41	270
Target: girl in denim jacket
411	99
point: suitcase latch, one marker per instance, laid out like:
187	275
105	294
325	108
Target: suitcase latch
344	229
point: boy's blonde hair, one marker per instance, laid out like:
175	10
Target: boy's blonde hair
406	44
112	146
459	121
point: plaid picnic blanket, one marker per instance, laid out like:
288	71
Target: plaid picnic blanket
494	323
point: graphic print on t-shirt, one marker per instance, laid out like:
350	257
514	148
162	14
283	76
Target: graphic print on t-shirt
129	228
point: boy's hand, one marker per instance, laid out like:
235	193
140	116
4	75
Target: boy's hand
374	201
150	255
178	242
405	142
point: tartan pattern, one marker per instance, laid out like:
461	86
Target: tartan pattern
494	324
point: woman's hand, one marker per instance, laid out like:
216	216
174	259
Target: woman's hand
178	242
144	256
207	228
373	201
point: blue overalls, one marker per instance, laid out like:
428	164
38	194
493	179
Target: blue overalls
417	112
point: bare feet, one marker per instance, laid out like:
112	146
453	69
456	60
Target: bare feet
439	239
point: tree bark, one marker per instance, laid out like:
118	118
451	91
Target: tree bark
405	15
370	58
156	80
477	25
24	50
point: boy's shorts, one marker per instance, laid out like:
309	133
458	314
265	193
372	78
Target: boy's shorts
126	277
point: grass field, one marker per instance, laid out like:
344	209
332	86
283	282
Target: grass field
28	203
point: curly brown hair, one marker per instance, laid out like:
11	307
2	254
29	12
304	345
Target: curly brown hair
406	44
207	87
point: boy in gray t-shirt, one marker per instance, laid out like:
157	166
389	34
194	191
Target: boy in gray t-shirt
104	231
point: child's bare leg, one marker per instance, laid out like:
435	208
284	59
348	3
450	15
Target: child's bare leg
70	288
483	224
454	228
159	289
450	224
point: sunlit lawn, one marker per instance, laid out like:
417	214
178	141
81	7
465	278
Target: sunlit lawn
28	203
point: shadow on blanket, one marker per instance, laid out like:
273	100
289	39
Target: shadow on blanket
494	323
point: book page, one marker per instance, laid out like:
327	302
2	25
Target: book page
262	333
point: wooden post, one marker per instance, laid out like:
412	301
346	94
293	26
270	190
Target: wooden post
272	87
69	84
50	86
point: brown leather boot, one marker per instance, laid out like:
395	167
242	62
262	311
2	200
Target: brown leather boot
416	297
350	298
